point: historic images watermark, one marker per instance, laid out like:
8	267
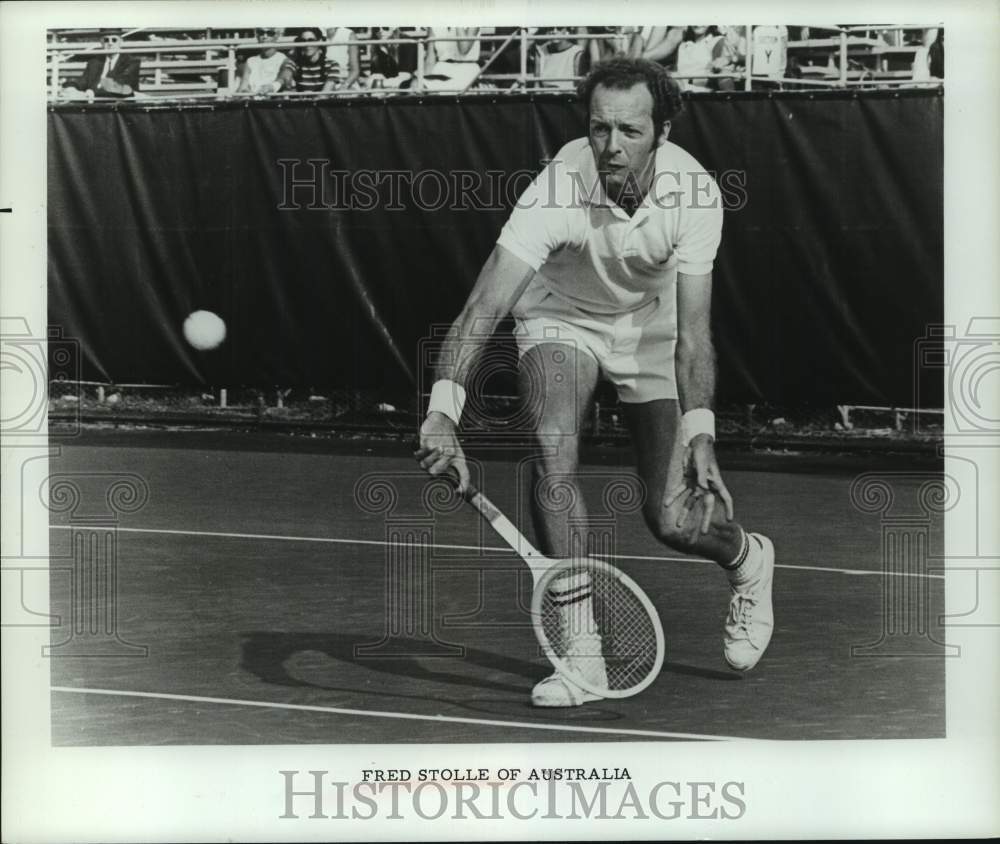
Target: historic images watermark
30	360
88	505
506	793
91	506
314	184
910	504
906	503
968	361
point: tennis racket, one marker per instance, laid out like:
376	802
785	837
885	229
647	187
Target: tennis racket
594	623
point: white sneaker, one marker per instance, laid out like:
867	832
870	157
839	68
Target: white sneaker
751	613
558	690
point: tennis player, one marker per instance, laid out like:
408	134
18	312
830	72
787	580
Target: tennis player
606	265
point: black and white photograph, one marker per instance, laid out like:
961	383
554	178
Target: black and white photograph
517	429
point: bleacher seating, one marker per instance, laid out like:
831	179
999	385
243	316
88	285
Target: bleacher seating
185	62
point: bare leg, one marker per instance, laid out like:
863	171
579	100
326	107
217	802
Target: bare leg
655	429
749	560
557	382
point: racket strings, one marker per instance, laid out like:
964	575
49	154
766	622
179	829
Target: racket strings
599	626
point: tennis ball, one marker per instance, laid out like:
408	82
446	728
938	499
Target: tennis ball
204	330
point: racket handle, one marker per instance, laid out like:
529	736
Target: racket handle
497	520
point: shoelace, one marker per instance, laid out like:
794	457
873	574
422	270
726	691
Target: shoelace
741	612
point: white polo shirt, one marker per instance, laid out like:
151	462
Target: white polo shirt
264	71
590	253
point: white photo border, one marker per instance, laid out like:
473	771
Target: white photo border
792	789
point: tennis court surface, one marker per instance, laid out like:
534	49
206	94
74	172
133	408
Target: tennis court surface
256	577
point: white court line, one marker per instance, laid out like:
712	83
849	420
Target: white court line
406	716
480	548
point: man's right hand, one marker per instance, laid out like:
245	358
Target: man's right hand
440	450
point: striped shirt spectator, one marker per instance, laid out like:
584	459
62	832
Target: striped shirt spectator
308	69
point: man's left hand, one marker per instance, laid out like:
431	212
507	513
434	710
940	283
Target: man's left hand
703	482
111	86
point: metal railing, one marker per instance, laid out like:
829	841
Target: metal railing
218	55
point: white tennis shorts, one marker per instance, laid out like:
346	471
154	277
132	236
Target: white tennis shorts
634	350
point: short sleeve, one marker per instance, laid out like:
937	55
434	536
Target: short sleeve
700	226
539	223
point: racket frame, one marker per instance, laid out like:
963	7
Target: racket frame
596	565
543	571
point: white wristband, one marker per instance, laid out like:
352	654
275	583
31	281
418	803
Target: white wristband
447	397
701	420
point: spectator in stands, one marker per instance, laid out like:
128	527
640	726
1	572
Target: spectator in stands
384	57
452	64
560	60
112	74
658	44
259	75
385	60
729	55
414	38
344	56
615	41
508	59
307	69
695	56
770	51
928	61
935	55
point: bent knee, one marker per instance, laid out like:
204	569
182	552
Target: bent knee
662	523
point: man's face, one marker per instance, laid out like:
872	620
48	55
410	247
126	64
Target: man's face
111	43
623	138
560	39
266	37
309	47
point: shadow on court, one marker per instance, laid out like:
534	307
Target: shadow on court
269	655
266	654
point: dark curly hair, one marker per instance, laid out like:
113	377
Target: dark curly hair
300	52
621	73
